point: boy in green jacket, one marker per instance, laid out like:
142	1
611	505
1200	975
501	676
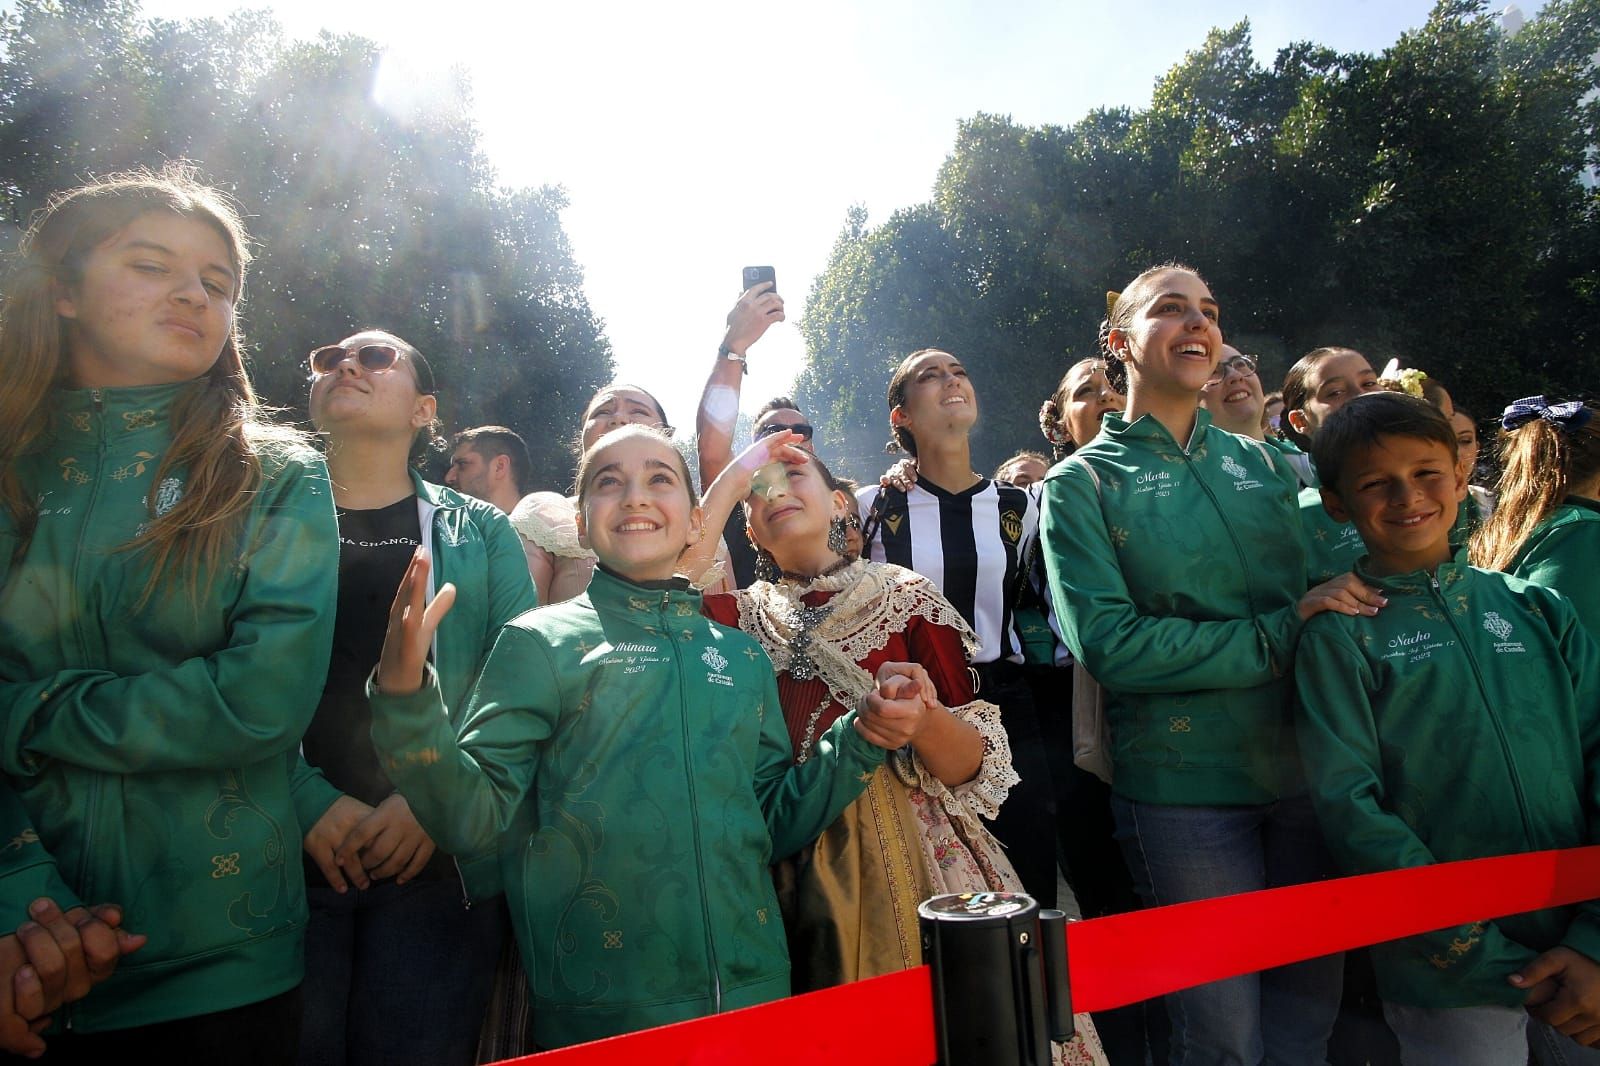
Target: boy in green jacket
1462	721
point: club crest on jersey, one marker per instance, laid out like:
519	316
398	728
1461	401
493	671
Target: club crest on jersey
1011	525
893	522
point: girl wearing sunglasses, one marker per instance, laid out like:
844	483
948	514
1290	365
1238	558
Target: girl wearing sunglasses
167	564
399	962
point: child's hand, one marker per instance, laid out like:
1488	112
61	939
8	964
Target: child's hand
1574	1009
895	714
411	628
779	447
1346	594
902	475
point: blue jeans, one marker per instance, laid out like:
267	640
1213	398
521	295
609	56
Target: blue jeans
1282	1017
1550	1048
397	974
1460	1036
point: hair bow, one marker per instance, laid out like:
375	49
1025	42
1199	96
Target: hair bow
1111	301
1571	416
1050	425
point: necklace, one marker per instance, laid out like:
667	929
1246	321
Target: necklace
805	621
806	579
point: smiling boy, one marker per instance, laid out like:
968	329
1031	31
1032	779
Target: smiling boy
1462	721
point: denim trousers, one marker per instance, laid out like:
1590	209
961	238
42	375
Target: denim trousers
1460	1036
398	974
1281	1017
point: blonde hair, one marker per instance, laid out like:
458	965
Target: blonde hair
218	425
1540	462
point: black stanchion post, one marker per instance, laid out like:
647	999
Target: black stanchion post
1057	990
988	979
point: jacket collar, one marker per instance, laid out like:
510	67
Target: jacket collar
608	589
1150	434
116	414
1456	572
435	496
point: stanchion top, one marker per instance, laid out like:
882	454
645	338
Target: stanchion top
976	906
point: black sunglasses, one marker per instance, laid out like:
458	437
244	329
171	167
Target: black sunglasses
802	428
374	359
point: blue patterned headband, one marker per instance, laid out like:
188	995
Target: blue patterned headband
1570	417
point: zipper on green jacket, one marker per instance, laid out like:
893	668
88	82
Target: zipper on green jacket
84	525
694	809
1483	692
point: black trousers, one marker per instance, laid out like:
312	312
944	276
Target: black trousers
1027	822
257	1034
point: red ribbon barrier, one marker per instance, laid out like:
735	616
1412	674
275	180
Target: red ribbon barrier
1125	958
1120	960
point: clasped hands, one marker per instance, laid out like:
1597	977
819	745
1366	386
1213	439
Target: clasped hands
353	843
54	959
899	707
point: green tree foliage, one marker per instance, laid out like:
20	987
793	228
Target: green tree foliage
362	217
1423	203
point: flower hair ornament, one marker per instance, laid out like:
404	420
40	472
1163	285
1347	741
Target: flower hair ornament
1050	425
1569	417
1409	380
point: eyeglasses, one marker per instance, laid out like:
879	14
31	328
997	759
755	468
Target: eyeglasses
804	429
1239	364
374	359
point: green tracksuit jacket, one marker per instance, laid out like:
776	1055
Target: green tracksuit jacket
1563	553
473	547
631	760
1462	721
1175	573
150	746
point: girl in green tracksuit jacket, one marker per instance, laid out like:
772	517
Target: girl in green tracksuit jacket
1179	580
166	603
1546	526
631	759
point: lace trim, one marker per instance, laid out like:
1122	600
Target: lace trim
871	603
984	794
546	519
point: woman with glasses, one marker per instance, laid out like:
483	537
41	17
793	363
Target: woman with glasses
1181	589
167	562
399	959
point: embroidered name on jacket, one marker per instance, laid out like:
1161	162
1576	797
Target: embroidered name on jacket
1156	481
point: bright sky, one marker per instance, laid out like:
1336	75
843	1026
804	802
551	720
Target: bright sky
696	138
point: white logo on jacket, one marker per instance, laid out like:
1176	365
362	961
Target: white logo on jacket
1241	477
1501	629
718	663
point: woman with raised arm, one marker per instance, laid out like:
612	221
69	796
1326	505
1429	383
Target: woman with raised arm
167	572
399	957
832	625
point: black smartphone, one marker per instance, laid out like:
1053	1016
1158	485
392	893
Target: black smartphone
754	276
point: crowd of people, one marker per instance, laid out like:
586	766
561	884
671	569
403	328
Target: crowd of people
559	767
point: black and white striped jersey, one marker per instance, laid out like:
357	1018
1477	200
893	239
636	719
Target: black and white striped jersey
973	545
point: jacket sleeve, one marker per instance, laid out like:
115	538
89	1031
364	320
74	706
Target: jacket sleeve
1581	653
27	870
1564	561
511	588
466	791
1127	650
1338	737
245	702
310	792
800	800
